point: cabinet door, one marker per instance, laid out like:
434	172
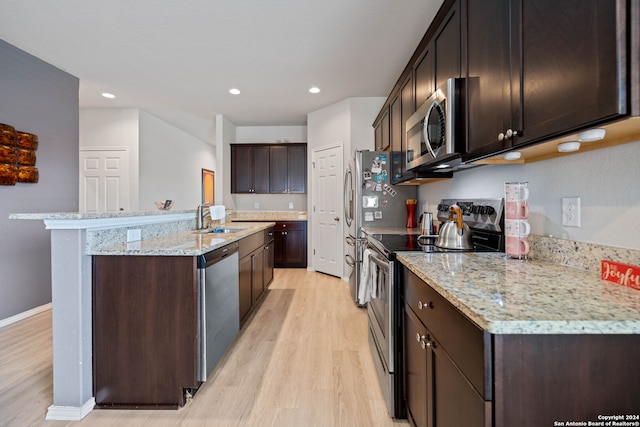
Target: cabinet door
268	263
296	248
385	124
261	169
424	76
257	274
245	285
488	83
377	130
278	169
446	44
297	169
415	369
241	169
573	61
455	402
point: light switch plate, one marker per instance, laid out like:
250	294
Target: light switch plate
256	205
571	211
290	205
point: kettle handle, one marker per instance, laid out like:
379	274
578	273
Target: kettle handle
455	209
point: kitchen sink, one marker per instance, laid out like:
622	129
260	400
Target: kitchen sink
220	230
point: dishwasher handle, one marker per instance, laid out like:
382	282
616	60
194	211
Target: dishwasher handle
217	255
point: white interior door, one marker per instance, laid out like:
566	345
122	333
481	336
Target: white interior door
104	180
327	214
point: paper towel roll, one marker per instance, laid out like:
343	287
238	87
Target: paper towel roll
217	212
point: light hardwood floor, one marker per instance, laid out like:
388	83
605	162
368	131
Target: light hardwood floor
302	360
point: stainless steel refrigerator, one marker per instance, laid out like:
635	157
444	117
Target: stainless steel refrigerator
371	201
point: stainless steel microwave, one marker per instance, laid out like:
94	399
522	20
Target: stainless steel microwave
435	131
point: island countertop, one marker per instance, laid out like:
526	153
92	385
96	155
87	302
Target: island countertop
506	296
185	243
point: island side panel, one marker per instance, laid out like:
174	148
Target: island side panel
145	330
541	379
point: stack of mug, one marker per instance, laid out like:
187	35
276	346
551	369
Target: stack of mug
516	225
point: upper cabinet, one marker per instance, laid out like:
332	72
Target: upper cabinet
249	168
535	73
269	168
287	168
538	69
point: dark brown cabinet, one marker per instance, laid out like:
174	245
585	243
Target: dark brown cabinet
381	132
290	244
456	374
269	168
445	360
402	107
540	69
287	168
249	168
145	323
255	267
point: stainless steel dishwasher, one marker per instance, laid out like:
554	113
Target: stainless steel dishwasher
218	315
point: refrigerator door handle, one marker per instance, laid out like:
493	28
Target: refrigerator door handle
348	197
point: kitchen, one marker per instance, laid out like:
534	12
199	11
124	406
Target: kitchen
606	214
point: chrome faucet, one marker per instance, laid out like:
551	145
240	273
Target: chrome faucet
201	213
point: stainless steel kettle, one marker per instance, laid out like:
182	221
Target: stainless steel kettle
454	234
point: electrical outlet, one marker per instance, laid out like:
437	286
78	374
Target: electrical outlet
134	235
256	205
290	205
571	211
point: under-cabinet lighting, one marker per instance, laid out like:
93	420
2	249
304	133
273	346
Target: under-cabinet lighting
512	155
591	135
568	147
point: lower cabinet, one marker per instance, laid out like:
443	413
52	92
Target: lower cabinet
290	244
255	267
437	391
145	325
457	375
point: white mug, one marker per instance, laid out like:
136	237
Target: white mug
516	228
516	191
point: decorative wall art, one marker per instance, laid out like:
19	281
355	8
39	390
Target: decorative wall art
17	156
207	186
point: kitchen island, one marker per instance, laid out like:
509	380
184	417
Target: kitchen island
75	238
514	342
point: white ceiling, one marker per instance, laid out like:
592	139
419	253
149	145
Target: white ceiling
178	58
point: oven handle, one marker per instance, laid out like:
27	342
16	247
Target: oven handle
380	263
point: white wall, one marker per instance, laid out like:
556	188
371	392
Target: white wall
171	163
606	180
225	135
350	122
269	134
114	127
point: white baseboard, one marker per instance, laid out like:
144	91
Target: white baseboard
24	315
70	413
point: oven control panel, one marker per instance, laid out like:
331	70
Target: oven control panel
484	214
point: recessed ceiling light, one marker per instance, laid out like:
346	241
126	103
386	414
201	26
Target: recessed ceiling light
234	91
591	135
108	95
568	147
314	90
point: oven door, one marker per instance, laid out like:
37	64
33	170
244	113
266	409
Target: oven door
379	309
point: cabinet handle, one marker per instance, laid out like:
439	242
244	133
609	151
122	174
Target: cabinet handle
424	344
419	337
422	305
284	225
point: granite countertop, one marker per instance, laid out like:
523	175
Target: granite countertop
507	296
186	243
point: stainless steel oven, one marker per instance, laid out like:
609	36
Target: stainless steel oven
485	218
382	312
